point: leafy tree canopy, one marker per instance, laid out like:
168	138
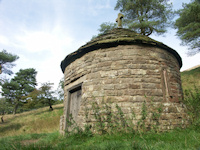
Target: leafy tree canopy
105	27
16	90
188	25
4	106
6	62
60	89
146	16
46	94
33	101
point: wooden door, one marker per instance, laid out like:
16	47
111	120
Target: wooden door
75	102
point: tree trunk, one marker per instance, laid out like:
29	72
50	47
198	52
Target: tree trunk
50	106
2	119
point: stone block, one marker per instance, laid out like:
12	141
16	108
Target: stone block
97	93
138	72
148	86
120	92
111	93
123	98
104	64
124	72
134	86
121	86
138	98
108	81
111	74
109	87
93	75
135	92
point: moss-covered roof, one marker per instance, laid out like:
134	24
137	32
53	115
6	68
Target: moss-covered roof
115	37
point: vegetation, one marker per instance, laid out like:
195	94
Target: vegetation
20	91
106	26
41	97
178	139
6	62
188	25
191	86
192	101
46	94
60	89
190	79
154	16
16	90
144	17
36	121
5	107
147	16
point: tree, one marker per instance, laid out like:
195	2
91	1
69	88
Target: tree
188	25
4	106
105	27
146	16
46	94
60	89
32	100
6	62
16	90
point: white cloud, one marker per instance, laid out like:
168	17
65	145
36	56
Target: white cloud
4	40
35	41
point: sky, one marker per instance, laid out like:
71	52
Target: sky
43	32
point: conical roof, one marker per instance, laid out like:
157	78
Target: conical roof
113	38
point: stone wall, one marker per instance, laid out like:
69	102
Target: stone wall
128	76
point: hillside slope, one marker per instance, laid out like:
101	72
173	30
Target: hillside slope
191	78
36	121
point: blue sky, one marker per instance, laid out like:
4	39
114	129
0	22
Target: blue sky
43	32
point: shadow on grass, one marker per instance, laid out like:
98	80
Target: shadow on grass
10	127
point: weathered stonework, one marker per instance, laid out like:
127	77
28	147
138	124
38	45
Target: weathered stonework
127	75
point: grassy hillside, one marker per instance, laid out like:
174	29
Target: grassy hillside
37	121
191	78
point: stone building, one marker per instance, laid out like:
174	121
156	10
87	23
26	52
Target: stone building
124	68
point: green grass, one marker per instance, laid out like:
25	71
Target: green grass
37	121
191	78
174	140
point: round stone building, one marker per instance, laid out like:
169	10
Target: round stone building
125	69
